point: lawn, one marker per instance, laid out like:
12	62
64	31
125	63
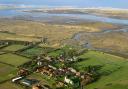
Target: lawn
13	59
13	47
115	67
36	51
6	72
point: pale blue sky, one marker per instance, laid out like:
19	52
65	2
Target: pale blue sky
75	3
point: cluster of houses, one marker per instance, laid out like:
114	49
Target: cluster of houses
66	72
28	82
46	65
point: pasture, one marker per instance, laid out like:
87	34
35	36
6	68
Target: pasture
6	72
114	70
55	53
13	59
13	47
36	51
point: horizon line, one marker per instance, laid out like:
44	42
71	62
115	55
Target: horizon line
68	7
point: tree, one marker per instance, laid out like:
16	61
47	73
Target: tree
69	52
44	40
93	71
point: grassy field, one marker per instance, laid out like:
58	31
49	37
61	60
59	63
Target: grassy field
114	71
36	51
10	85
13	47
55	53
13	59
6	72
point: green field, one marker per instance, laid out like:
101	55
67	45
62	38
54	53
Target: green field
6	72
13	59
13	47
10	85
114	71
36	51
55	53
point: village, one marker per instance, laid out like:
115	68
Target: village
59	68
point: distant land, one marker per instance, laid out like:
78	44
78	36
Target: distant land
63	47
108	12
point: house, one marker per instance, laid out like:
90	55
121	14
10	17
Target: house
72	70
75	58
29	82
39	63
38	58
61	59
58	73
70	59
60	84
17	79
37	87
78	74
52	67
68	81
48	58
86	79
7	43
46	70
23	72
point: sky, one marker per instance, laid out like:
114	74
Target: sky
71	3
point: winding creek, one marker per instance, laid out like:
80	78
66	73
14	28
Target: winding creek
88	44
